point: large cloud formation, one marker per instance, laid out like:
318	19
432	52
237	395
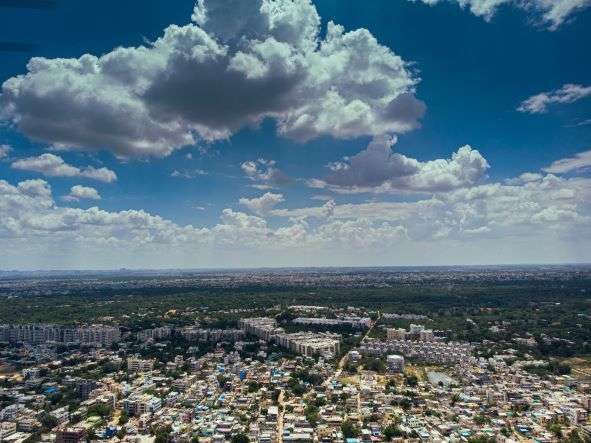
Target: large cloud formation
379	169
237	63
551	13
535	207
535	217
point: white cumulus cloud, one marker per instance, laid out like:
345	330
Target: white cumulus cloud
263	204
379	169
569	93
551	13
582	160
52	165
79	192
264	173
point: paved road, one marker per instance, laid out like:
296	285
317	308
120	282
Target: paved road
280	417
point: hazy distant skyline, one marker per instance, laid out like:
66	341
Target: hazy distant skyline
294	133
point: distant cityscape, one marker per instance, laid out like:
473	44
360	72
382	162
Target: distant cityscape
298	372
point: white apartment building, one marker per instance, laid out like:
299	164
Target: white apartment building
142	404
96	335
310	344
139	365
354	322
305	343
428	351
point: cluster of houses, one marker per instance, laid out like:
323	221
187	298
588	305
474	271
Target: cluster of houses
273	396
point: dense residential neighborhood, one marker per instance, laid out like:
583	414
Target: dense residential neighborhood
268	379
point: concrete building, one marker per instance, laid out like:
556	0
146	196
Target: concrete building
139	365
194	333
354	322
161	333
395	363
396	333
141	404
94	335
71	435
426	351
305	343
310	344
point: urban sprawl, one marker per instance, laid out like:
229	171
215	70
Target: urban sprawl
297	374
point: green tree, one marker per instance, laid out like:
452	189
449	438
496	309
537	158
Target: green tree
162	434
349	429
312	415
411	380
240	438
556	429
391	431
48	421
123	419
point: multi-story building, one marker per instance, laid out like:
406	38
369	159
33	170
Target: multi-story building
262	327
394	316
96	335
396	333
71	435
193	333
139	365
155	333
305	343
354	322
427	351
416	331
426	335
310	344
85	387
7	428
141	404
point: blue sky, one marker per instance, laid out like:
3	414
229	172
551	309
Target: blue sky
470	73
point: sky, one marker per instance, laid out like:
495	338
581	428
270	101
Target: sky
226	133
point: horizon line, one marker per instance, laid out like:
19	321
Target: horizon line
247	268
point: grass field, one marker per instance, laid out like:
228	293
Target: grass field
581	366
